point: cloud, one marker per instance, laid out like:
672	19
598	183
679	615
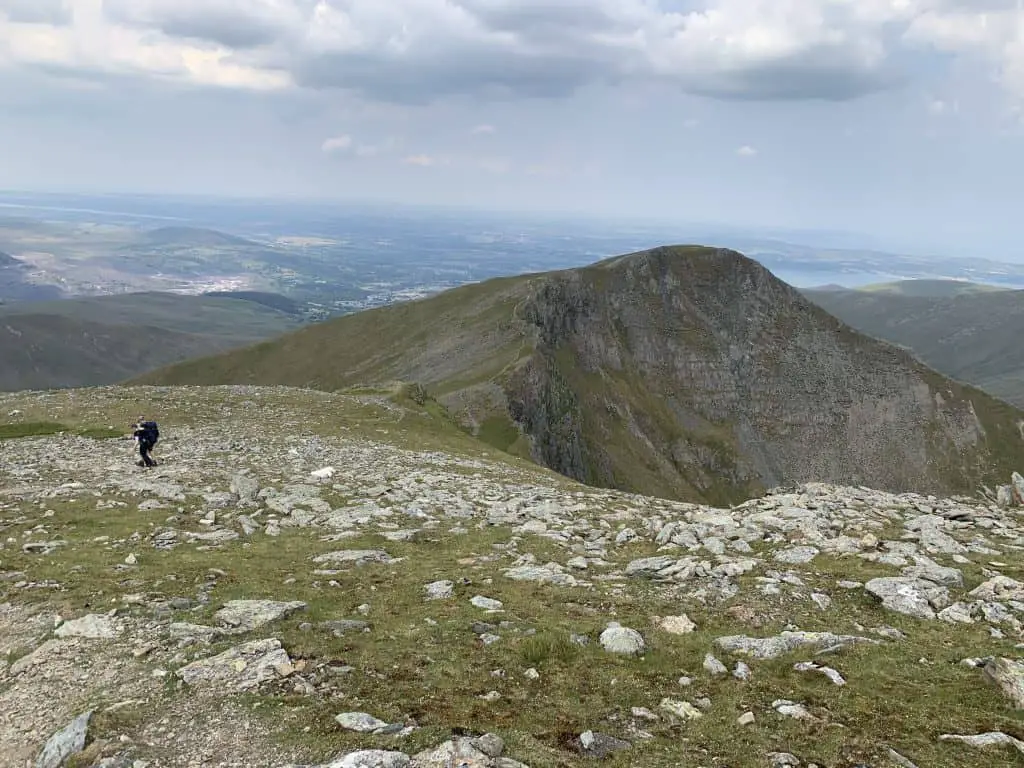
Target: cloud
55	12
424	161
90	48
746	151
337	144
418	51
481	130
231	23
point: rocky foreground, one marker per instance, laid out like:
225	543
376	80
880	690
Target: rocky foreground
301	582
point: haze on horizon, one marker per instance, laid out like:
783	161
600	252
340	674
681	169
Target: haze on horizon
898	119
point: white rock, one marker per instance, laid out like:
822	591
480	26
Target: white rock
622	640
677	625
439	590
360	722
683	709
713	666
486	603
92	626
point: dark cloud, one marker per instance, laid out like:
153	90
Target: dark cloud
795	80
232	23
416	51
464	70
56	12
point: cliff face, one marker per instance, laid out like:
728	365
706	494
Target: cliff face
697	372
685	372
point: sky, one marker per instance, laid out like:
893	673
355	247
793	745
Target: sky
899	119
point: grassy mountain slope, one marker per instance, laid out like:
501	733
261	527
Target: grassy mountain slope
683	371
100	340
273	300
973	337
222	316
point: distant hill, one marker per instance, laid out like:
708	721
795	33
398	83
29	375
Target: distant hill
105	339
192	237
973	337
931	288
686	372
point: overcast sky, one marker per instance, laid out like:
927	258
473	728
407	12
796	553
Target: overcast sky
898	118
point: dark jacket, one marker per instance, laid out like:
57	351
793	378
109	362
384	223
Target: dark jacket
147	432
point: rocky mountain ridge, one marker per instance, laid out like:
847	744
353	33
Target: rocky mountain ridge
685	372
336	580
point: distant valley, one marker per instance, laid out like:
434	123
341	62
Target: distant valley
97	340
334	259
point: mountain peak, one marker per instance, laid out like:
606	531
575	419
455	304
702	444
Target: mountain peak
680	371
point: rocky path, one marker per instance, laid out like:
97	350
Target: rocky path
311	585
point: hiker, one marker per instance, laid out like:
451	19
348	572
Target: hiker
146	433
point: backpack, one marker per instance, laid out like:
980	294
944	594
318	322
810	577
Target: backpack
150	431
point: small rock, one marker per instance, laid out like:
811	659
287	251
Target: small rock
909	596
824	602
786	642
1009	676
439	590
486	603
241	668
747	718
644	714
713	666
677	625
986	740
491	744
92	626
783	760
359	722
600	745
791	709
899	759
66	742
371	758
247	615
796	555
683	709
355	557
622	640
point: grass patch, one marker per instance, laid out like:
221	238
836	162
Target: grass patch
44	428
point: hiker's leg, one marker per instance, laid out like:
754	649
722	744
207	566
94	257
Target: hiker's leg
144	447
